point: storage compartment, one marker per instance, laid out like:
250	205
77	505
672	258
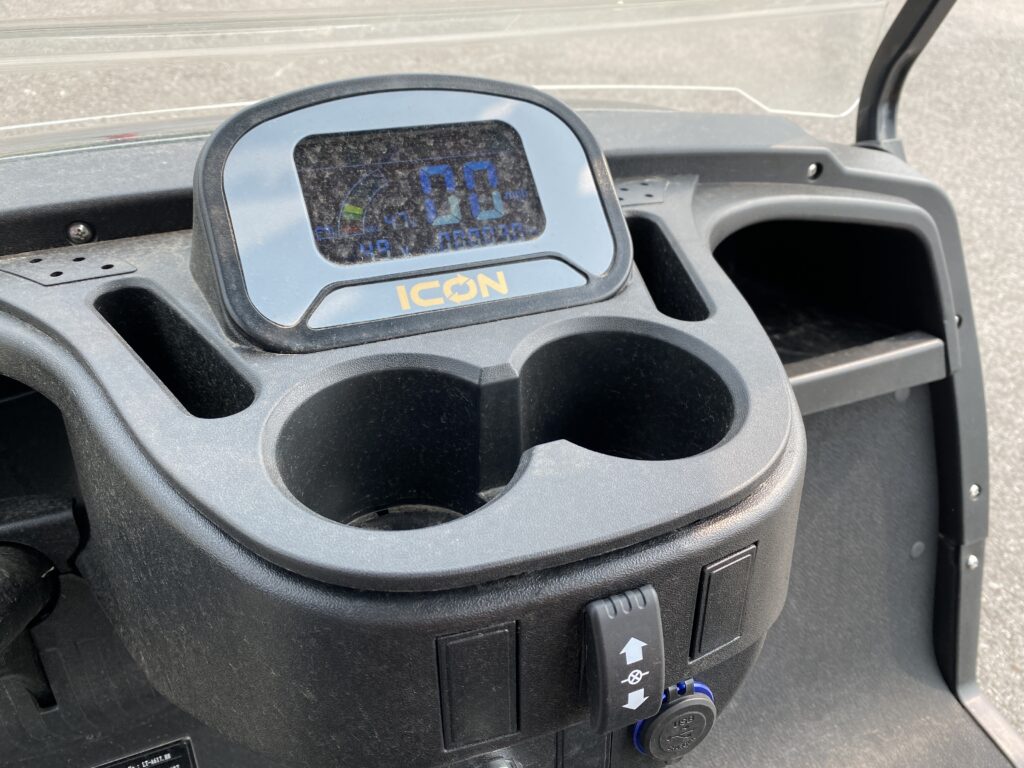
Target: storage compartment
405	448
187	364
820	287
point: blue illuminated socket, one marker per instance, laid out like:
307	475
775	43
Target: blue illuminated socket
698	687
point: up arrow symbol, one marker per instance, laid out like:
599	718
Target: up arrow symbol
636	698
633	650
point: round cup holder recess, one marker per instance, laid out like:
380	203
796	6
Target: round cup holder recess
403	448
625	395
392	443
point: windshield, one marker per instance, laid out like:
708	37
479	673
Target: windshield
114	70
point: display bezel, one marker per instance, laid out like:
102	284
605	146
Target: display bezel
247	219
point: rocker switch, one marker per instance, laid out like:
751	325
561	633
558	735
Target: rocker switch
625	658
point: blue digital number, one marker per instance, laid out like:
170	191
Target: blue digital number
454	215
369	250
469	172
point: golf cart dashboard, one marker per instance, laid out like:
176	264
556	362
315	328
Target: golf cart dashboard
465	416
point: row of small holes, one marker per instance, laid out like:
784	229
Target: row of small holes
813	174
642	184
77	258
81	258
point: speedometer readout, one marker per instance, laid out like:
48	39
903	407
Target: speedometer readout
402	192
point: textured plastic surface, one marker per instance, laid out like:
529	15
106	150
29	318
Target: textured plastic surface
104	709
854	645
620	448
484	416
335	650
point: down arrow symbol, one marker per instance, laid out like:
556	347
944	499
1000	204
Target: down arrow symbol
636	698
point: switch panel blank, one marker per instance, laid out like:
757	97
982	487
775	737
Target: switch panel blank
479	699
722	601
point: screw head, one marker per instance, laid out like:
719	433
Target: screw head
974	490
80	233
973	562
813	171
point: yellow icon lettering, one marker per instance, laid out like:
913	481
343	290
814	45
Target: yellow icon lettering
459	289
455	290
427	285
488	283
403	297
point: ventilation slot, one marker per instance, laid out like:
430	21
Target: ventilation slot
667	280
194	372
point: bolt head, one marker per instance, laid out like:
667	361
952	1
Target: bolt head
80	233
974	490
973	562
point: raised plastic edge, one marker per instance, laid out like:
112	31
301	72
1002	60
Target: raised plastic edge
859	373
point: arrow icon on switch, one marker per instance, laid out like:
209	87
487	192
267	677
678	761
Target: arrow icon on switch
633	650
636	698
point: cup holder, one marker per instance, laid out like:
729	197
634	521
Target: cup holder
391	449
403	448
625	395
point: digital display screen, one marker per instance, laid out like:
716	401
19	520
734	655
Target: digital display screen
402	192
